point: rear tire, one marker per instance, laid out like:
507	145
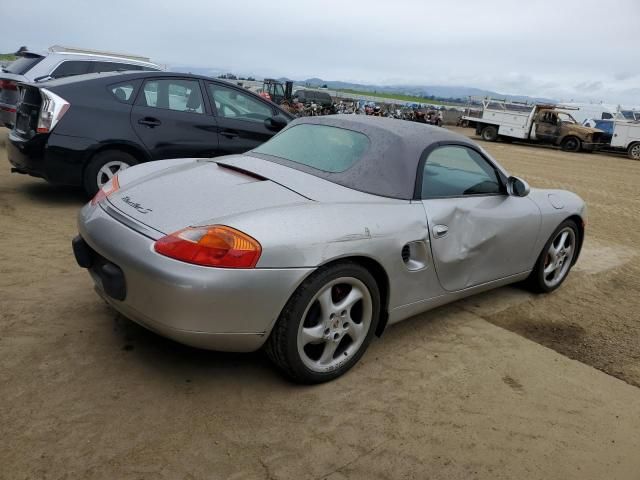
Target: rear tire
571	144
633	152
554	263
489	134
103	166
327	324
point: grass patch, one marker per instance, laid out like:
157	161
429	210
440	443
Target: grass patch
7	57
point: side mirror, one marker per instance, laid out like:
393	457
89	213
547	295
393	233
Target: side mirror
276	123
517	187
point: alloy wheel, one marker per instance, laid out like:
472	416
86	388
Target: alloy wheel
108	170
559	257
335	324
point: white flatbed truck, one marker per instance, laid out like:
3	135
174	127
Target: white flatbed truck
539	123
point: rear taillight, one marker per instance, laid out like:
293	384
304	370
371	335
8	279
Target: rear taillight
107	189
211	246
8	85
52	110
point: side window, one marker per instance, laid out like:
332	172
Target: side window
453	171
70	68
123	91
606	116
173	94
231	103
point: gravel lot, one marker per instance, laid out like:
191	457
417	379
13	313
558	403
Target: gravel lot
450	394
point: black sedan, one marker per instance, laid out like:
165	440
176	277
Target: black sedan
81	131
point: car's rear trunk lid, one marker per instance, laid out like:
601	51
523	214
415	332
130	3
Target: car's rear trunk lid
197	192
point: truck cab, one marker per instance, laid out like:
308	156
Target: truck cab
560	128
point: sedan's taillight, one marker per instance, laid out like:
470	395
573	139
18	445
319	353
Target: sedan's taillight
211	246
107	189
8	85
51	111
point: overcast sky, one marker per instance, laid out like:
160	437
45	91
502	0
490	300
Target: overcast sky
563	49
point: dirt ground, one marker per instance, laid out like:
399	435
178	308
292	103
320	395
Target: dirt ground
595	318
452	394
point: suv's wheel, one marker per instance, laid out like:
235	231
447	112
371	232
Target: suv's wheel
327	324
103	166
634	151
570	144
489	134
554	263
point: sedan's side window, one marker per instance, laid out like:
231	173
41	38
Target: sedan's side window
232	103
123	91
174	94
454	171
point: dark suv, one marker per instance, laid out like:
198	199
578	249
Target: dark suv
82	130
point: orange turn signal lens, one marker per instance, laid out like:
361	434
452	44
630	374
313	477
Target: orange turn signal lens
211	246
107	189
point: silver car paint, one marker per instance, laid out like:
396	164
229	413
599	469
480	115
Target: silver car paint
481	235
221	309
320	223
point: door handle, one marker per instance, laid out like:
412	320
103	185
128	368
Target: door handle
229	133
150	122
439	231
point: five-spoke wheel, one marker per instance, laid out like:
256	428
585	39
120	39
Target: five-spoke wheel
335	324
327	324
556	259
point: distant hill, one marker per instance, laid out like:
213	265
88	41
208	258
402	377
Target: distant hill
434	92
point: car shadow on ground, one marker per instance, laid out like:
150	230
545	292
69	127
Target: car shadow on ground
165	355
54	194
178	363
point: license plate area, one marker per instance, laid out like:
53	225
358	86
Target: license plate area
108	273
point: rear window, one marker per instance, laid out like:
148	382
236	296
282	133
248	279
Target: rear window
329	149
22	65
71	68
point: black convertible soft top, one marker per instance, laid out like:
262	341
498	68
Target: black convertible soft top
390	164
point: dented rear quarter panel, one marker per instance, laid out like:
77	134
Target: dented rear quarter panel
316	234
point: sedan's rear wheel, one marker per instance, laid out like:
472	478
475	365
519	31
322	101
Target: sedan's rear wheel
103	167
327	324
556	258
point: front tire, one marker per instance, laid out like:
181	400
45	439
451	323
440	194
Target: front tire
555	261
327	324
489	134
103	166
571	144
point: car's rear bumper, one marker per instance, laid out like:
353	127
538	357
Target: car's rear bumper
212	308
27	156
58	159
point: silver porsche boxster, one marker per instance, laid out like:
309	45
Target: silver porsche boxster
320	238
